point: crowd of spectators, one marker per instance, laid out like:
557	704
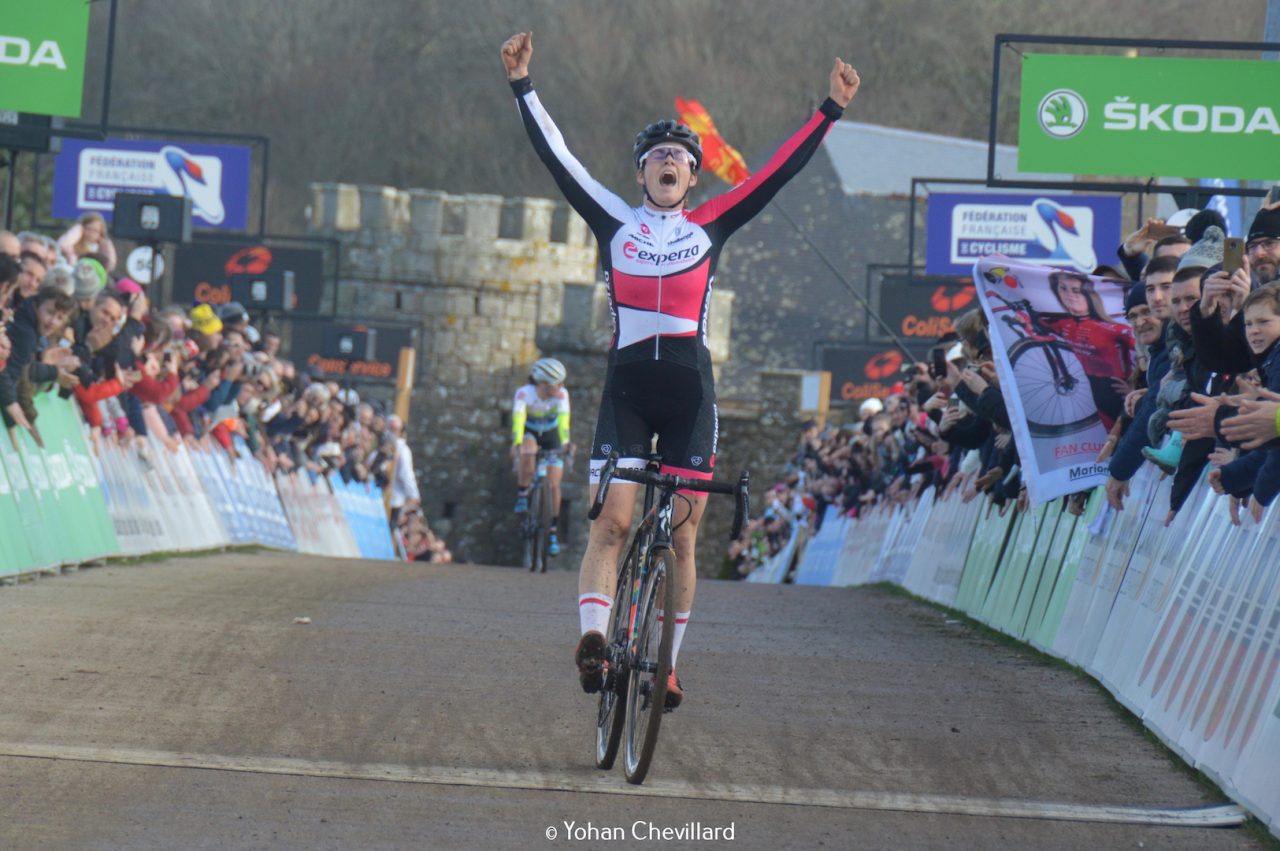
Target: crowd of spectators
204	376
1204	393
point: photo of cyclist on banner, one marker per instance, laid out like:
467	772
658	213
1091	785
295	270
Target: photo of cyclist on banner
1063	350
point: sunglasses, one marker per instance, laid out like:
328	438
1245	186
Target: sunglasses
675	153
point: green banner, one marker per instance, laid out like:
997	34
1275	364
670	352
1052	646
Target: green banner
42	48
1150	117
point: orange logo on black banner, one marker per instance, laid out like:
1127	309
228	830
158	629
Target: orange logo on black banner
883	365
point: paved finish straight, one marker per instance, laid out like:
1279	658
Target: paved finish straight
178	705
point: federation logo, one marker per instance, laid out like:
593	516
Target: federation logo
182	175
1062	113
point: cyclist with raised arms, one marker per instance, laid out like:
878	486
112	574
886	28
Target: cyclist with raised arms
659	261
540	420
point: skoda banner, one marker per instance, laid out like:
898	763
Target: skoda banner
1148	116
87	176
1072	231
42	47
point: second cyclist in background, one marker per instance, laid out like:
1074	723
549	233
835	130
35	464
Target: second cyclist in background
540	420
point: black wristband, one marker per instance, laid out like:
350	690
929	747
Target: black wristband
522	86
831	109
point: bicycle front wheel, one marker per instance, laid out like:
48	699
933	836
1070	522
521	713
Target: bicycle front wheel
530	530
1056	395
611	714
650	663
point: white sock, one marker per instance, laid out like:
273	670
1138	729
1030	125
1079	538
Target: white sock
593	612
682	620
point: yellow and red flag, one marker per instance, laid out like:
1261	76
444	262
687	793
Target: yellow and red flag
718	156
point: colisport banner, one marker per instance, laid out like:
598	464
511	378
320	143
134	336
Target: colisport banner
1062	351
1149	116
918	312
345	350
42	48
861	372
202	271
87	175
1066	230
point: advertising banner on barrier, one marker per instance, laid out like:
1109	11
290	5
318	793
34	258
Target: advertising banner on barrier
919	312
861	372
42	49
343	350
1149	116
1062	351
1066	230
202	271
87	175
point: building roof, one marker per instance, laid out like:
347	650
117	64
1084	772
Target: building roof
873	160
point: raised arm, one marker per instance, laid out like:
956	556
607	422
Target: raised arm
730	211
600	207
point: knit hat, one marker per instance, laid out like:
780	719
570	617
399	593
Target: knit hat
59	277
128	286
1206	252
204	320
1200	223
1266	225
86	281
232	311
98	269
1135	297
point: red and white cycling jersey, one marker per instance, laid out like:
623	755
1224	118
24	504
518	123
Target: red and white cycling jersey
660	266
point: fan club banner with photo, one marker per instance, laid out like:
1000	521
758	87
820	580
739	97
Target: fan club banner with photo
861	372
202	271
87	175
1078	231
1062	352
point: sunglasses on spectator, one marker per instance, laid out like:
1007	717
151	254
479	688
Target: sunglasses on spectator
675	153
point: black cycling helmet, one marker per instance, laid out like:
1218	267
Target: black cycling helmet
667	130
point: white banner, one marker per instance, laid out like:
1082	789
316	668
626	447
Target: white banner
1062	352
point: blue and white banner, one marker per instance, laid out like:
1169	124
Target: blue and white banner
87	175
1070	231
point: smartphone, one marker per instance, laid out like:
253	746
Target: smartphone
1162	230
1232	254
938	366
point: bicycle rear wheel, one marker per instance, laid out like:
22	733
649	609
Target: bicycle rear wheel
650	664
611	715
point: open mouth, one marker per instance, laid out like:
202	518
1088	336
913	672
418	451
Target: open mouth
667	178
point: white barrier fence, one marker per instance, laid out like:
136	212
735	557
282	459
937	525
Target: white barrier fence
1181	623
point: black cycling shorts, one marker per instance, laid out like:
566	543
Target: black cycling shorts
645	398
548	440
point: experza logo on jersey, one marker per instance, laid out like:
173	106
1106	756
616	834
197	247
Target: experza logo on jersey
633	252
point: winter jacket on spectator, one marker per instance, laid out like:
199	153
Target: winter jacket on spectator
1222	347
26	344
1128	455
1258	471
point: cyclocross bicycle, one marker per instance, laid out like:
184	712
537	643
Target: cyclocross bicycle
638	655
